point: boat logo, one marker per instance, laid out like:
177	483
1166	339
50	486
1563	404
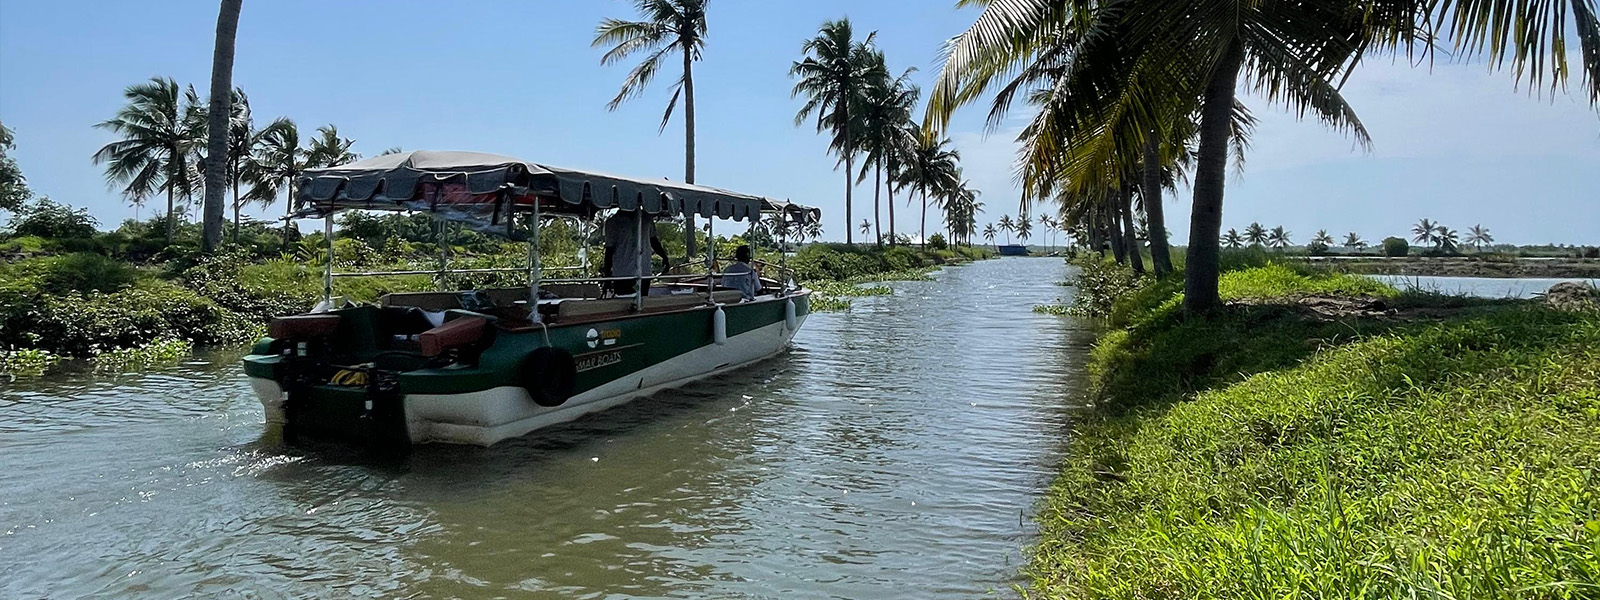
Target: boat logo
593	338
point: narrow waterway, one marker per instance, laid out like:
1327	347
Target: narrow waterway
896	451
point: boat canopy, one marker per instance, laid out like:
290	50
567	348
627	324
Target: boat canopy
484	190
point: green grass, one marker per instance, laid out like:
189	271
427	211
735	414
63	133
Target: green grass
1263	455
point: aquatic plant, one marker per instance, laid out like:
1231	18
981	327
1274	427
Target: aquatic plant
158	352
26	362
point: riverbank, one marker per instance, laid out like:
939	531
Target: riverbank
1470	266
1403	445
118	314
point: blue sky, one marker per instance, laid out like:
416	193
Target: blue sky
1455	143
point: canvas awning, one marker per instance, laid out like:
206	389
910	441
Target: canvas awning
482	190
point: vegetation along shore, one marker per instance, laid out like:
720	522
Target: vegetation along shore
1327	435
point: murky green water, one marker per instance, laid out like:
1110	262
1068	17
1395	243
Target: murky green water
895	452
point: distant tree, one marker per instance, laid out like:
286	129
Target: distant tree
989	233
833	77
1255	234
391	150
241	143
330	150
1024	229
866	227
1007	226
1447	239
1424	232
1232	239
1395	247
49	219
157	149
1354	241
1322	237
13	186
1479	237
278	163
1278	238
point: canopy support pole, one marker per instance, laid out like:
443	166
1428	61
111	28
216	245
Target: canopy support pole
641	260
783	252
327	274
439	229
711	255
535	266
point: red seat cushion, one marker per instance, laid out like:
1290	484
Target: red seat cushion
454	334
303	327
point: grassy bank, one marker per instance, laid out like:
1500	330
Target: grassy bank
1330	437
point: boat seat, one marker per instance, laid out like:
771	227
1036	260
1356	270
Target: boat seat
461	331
429	301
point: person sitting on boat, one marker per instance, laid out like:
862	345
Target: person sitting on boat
625	256
740	275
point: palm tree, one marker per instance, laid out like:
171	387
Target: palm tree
1322	237
833	76
1278	238
931	168
1424	232
330	150
1255	234
220	126
241	142
1351	240
668	26
1024	229
1129	69
156	152
989	233
1479	237
1231	239
1447	239
1007	226
866	227
961	208
279	161
1047	224
886	130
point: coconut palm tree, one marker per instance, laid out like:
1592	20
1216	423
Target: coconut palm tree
1255	234
886	130
278	162
961	210
241	142
330	150
866	227
1278	238
1134	65
833	77
667	27
1007	226
220	124
1447	239
989	233
1424	232
1354	241
1231	239
1322	237
1024	229
1479	237
156	152
930	169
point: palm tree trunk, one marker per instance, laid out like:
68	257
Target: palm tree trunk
1109	223
1154	213
172	223
1135	253
236	211
877	199
221	113
1205	218
288	209
923	228
849	219
890	189
689	230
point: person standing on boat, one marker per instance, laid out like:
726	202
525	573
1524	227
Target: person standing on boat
740	275
625	255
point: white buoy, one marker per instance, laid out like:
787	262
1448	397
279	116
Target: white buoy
790	321
719	326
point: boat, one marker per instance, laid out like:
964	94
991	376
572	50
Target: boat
1012	249
484	365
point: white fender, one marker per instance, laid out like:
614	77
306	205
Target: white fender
790	321
719	326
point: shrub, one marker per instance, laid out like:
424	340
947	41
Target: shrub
936	241
1100	284
1395	247
83	272
47	218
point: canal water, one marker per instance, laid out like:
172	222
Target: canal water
1480	287
897	451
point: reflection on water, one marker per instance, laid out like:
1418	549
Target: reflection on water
1481	287
895	452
